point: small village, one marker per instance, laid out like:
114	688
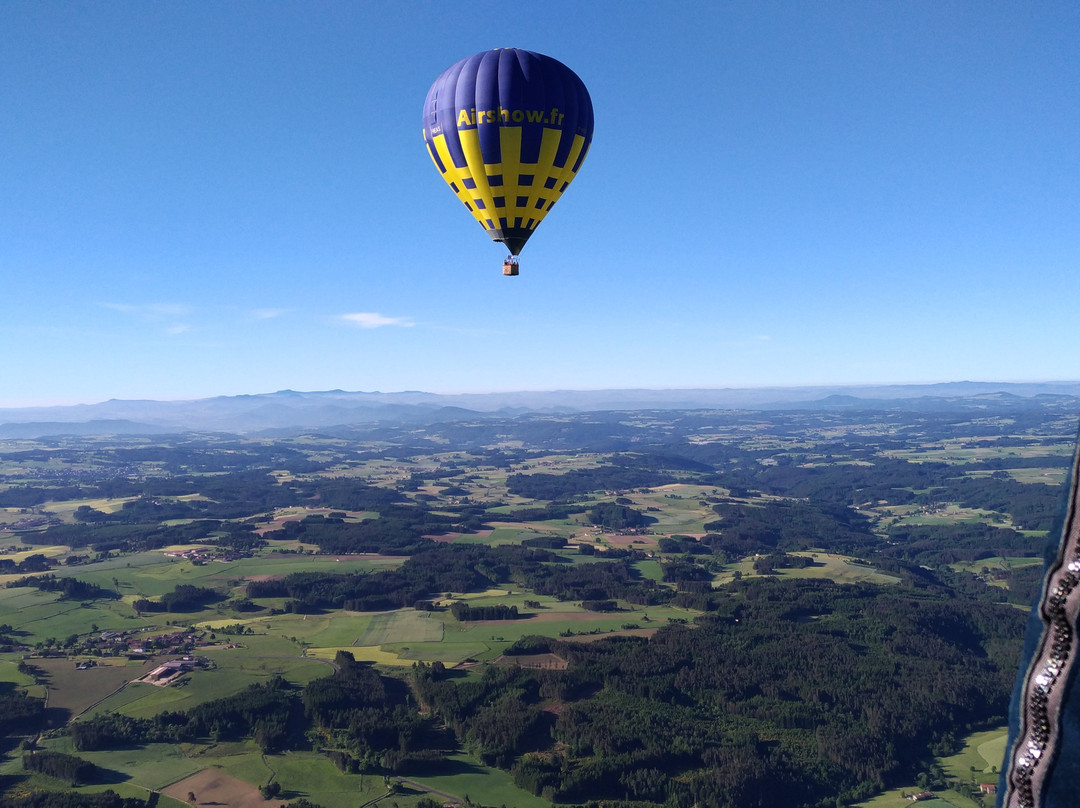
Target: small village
133	645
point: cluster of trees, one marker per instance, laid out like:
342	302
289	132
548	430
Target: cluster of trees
35	562
362	720
578	482
261	711
270	790
184	598
949	543
672	545
370	722
18	711
124	537
490	715
546	542
233	495
687	570
768	564
347	494
63	767
784	525
1023	583
29	496
69	588
600	580
1031	506
897	482
882	479
439	568
463	568
73	799
541	514
600	605
617	517
465	612
399	530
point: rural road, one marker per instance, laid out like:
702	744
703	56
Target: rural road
422	787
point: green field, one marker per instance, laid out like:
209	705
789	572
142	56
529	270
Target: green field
983	753
152	765
153	574
337	628
148	575
401	627
961	451
899	797
66	509
259	658
955	514
9	675
512	534
679	508
406	636
652	570
492	786
980	758
997	563
42	614
307	774
1046	476
835	567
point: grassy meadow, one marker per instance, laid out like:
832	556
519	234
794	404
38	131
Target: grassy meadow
832	566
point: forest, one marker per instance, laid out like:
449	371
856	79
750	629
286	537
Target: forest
839	594
838	687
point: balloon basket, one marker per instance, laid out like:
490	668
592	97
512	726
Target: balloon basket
510	266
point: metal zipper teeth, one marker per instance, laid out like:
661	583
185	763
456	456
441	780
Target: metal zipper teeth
1040	731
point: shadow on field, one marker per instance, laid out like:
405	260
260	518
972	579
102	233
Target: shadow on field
109	777
9	781
55	717
453	766
445	768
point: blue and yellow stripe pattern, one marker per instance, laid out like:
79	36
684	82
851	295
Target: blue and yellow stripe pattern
508	130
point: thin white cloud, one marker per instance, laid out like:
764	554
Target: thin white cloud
151	311
371	319
167	316
267	314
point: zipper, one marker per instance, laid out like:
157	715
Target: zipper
1032	756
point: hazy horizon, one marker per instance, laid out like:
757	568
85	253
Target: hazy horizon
763	388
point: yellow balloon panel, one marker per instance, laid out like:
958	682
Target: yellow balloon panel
517	193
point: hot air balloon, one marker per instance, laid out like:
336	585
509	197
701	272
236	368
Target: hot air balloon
508	130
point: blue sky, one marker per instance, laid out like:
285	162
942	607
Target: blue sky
216	198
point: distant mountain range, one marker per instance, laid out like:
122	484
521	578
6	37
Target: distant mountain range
288	409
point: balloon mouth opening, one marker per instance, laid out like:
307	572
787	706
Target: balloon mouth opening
514	241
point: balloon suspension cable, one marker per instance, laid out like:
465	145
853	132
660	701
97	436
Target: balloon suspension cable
510	265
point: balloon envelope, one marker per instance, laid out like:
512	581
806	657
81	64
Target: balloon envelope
508	129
